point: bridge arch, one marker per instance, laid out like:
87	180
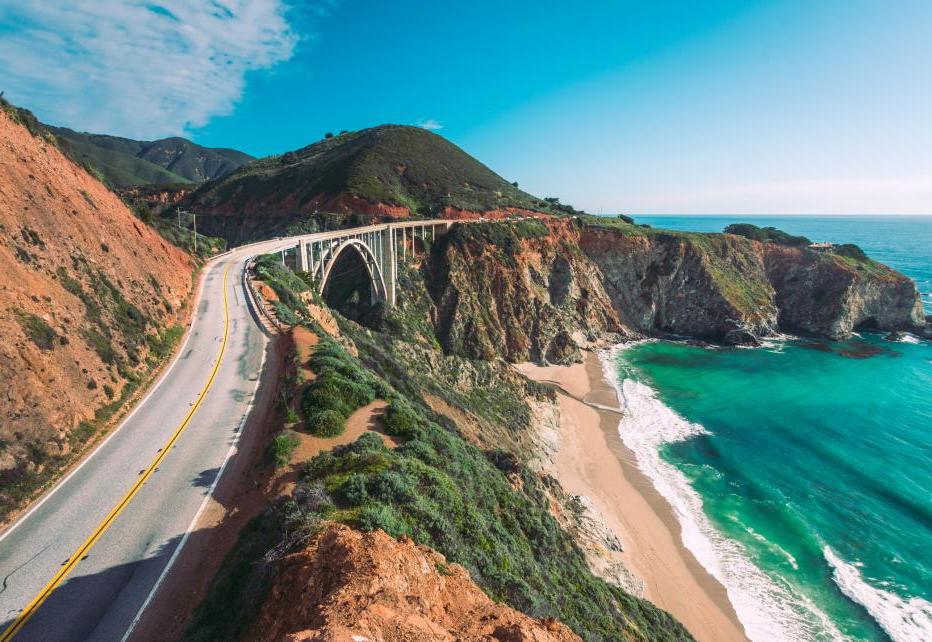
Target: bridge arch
368	258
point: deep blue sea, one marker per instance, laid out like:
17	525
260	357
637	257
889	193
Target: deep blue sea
801	472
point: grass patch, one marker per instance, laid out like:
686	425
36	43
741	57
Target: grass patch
37	330
282	447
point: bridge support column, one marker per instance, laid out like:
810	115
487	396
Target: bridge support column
389	263
302	256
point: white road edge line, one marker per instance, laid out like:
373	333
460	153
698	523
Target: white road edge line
210	493
48	495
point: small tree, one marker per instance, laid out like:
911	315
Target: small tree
328	135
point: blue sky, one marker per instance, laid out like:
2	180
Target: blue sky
659	107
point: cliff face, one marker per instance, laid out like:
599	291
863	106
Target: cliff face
349	585
522	291
831	296
710	287
87	292
539	290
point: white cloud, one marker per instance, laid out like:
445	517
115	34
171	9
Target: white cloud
135	68
430	124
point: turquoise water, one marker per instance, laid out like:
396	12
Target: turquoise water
802	471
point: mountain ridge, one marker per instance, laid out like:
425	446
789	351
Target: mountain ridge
125	162
387	171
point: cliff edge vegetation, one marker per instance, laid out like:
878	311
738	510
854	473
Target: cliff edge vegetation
436	477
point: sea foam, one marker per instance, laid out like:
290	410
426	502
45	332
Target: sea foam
767	611
903	619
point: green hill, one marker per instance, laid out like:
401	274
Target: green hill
124	162
392	165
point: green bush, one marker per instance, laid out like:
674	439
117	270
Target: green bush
326	423
340	387
375	516
38	331
400	418
766	234
353	490
851	251
282	446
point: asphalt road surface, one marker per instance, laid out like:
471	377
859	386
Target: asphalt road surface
112	534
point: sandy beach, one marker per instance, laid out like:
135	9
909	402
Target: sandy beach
592	461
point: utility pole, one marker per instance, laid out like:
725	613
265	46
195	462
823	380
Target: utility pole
194	217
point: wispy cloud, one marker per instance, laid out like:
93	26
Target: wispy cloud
430	124
135	68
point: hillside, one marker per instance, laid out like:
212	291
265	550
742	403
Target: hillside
386	171
92	301
124	162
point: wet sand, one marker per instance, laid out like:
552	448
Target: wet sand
592	461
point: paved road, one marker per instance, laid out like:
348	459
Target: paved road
108	586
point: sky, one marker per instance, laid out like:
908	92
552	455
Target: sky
642	107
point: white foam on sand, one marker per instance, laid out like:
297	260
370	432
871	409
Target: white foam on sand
767	611
904	619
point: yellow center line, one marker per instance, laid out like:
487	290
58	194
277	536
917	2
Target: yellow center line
88	544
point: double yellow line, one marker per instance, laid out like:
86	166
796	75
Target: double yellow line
88	544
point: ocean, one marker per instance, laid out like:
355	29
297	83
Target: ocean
800	472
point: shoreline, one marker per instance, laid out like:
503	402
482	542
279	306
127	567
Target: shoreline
592	461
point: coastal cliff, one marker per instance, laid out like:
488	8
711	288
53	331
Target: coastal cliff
523	291
541	290
832	295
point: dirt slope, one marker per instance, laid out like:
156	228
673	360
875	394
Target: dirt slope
87	293
349	585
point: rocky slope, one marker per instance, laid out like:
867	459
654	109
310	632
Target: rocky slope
538	290
347	585
89	294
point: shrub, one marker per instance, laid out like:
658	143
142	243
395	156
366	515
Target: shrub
326	423
851	251
38	331
400	419
353	490
391	486
282	446
381	516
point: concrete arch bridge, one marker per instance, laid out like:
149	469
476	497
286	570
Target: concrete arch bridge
377	247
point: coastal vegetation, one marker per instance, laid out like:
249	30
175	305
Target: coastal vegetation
406	168
766	234
481	508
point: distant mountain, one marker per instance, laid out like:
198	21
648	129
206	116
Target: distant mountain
124	162
391	171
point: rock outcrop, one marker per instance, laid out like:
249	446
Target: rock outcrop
828	295
540	290
348	586
522	291
710	287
